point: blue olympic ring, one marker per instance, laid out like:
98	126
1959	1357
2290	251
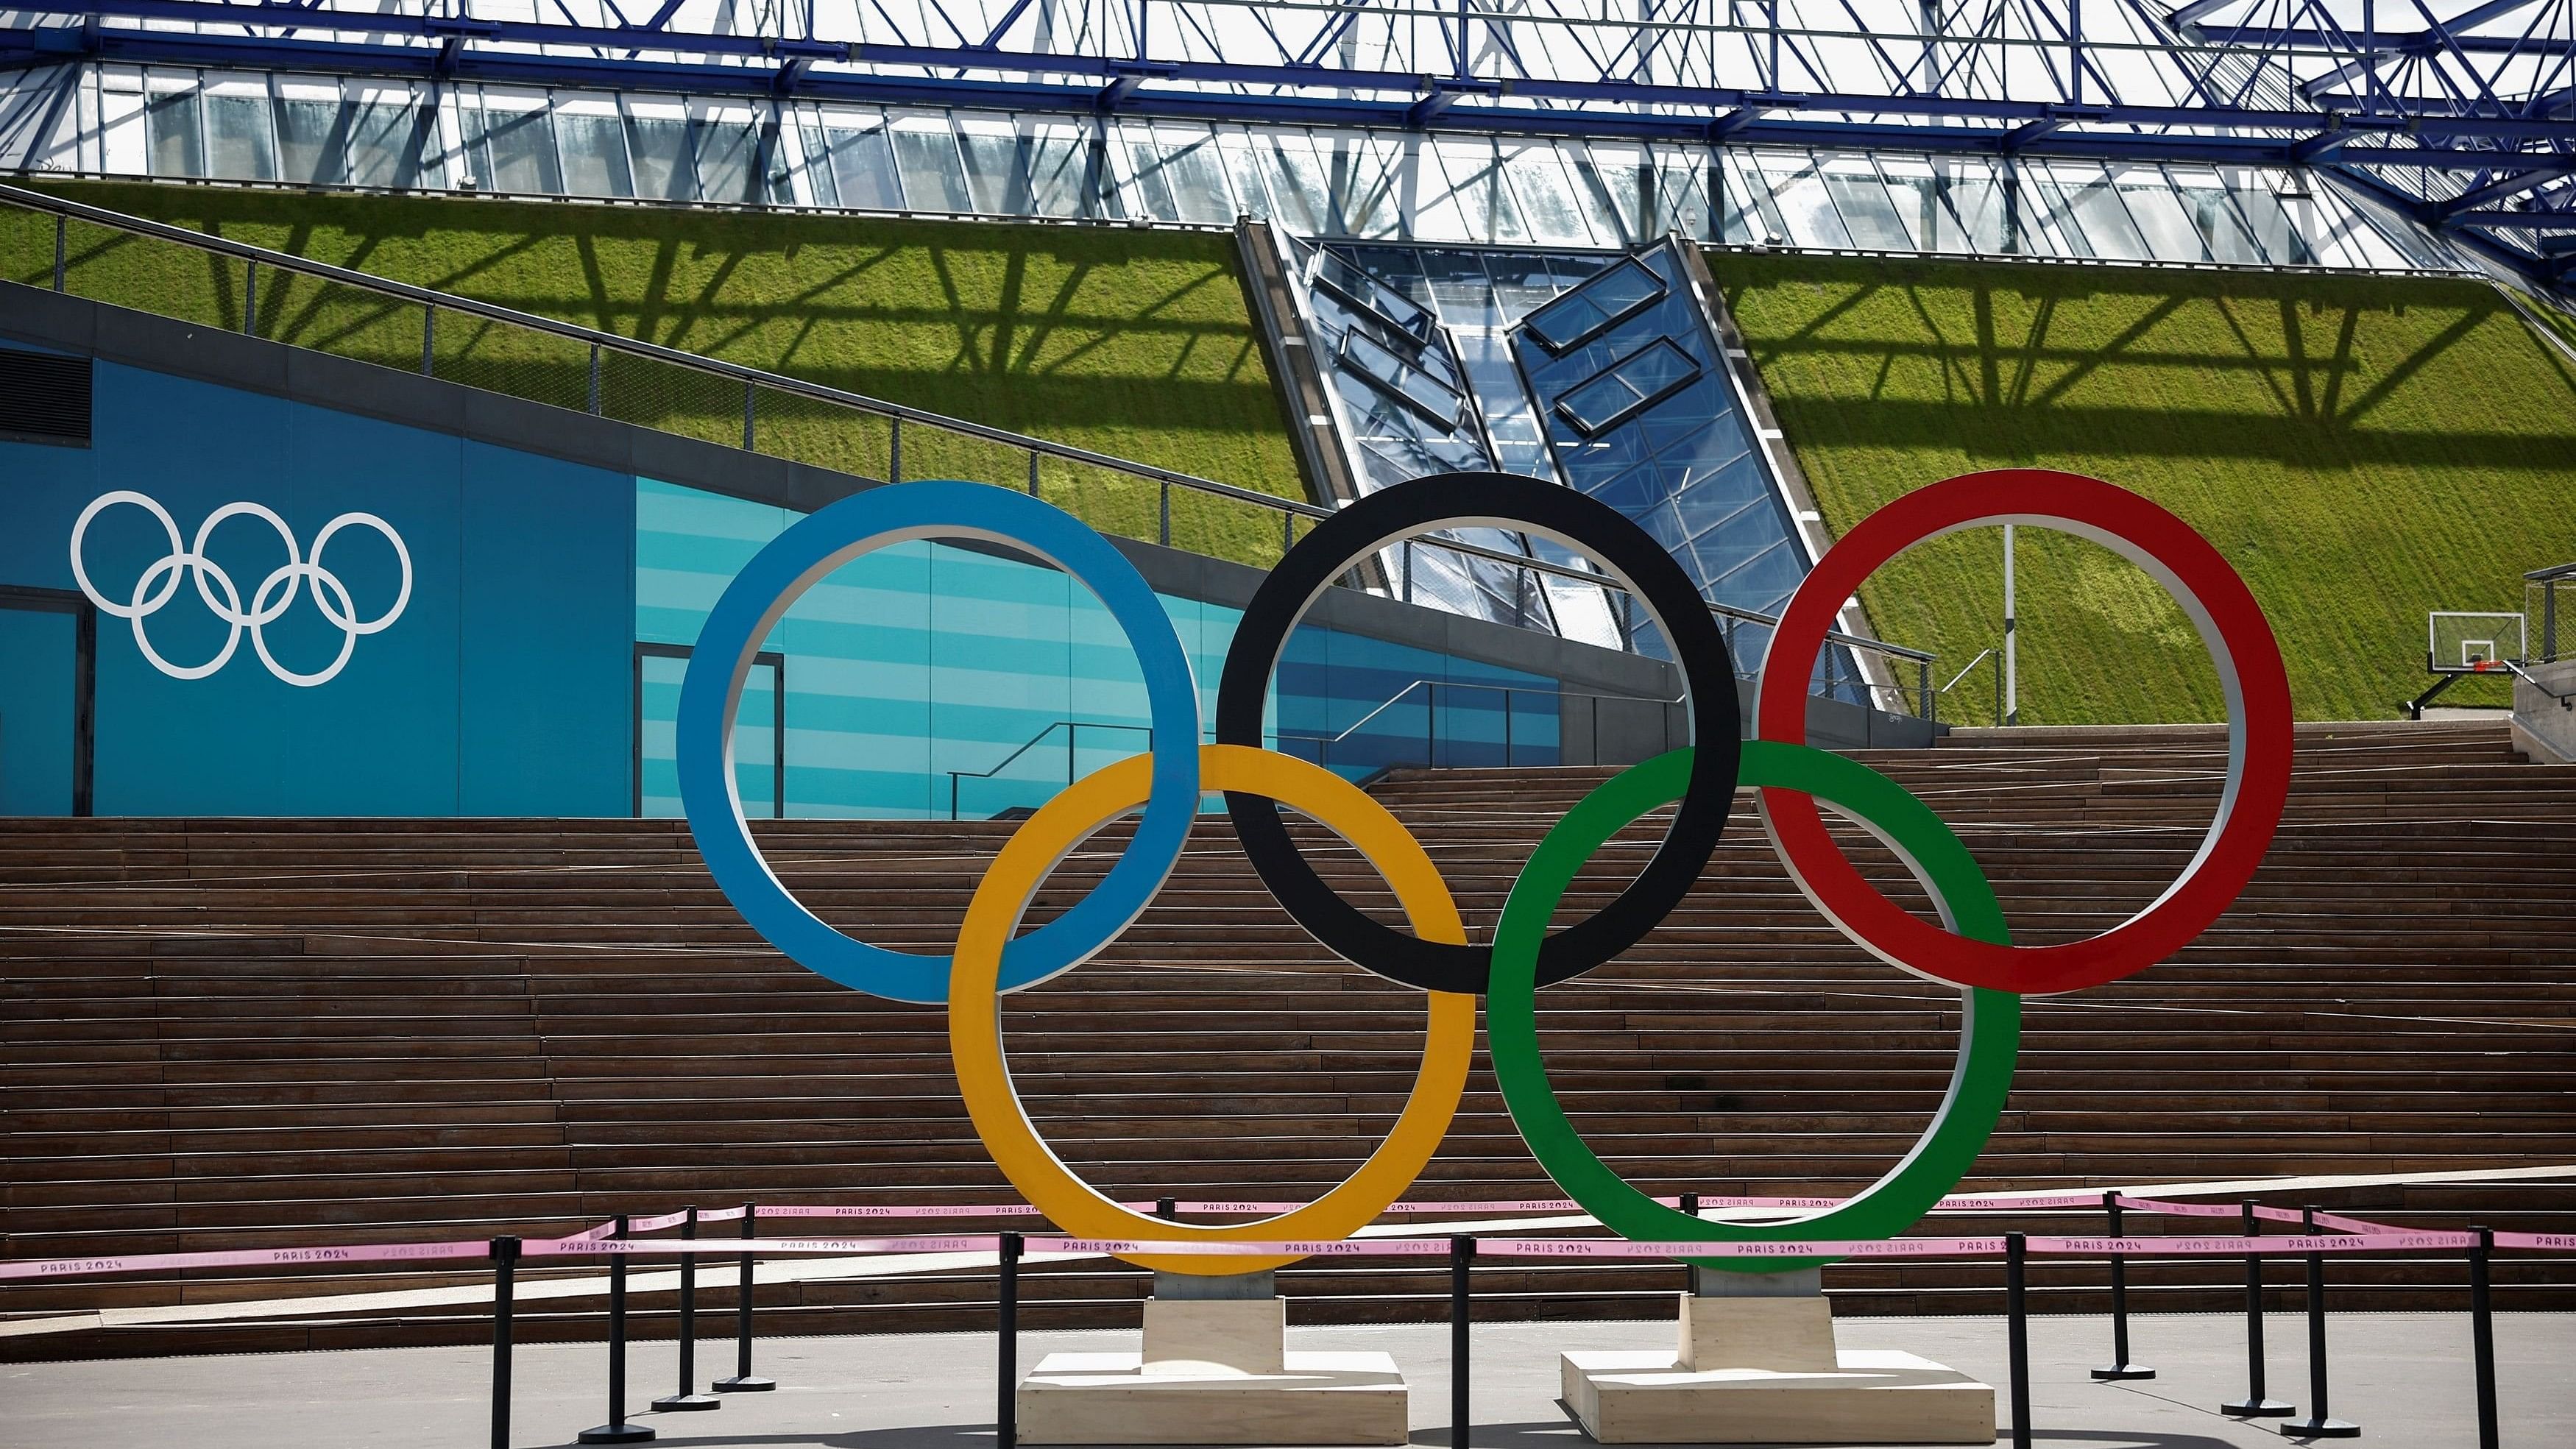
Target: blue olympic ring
801	557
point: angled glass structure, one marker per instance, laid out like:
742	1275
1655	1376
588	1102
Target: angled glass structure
2440	133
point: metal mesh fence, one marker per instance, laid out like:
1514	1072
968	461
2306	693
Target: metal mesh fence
672	398
930	451
107	265
346	321
825	434
519	361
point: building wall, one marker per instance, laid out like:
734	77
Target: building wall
550	608
918	661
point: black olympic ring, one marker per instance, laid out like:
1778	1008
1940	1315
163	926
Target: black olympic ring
1613	542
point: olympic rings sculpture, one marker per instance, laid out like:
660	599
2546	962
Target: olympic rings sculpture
1970	948
276	594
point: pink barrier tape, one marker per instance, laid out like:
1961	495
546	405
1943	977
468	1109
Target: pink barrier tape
244	1258
2262	1211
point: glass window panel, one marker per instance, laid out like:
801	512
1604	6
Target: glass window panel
657	143
1064	175
1243	163
1798	189
238	143
393	141
933	178
1983	209
1866	211
2167	225
2090	207
996	173
1741	198
1423	184
1928	194
1681	192
178	148
1400	378
820	183
862	168
1605	186
1627	386
594	154
728	157
1190	166
1152	183
1362	174
1297	191
312	136
1538	181
2214	215
1622	291
513	150
1485	208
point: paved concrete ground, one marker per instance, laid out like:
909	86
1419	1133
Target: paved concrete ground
2404	1376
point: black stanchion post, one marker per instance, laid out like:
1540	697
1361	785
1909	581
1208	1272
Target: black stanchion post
2017	1333
743	1380
2318	1424
1462	1253
2120	1367
688	1399
2482	1336
505	1273
1006	1410
617	1430
1690	1207
1168	1209
2254	1405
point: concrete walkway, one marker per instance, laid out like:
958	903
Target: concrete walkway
2403	1376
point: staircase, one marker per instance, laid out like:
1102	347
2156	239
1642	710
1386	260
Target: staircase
231	1033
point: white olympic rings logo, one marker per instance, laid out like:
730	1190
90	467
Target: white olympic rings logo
270	601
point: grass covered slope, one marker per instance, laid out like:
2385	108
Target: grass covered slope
1139	344
2362	449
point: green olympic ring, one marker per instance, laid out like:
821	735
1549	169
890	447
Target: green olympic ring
1990	1033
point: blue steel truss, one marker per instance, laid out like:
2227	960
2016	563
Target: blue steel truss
2463	117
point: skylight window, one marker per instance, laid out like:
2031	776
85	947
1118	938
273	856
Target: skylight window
1399	314
1617	294
1436	401
1627	387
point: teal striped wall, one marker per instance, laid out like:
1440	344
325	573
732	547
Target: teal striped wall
923	659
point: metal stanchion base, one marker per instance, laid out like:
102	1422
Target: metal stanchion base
684	1403
2123	1371
2258	1409
618	1433
2321	1429
744	1384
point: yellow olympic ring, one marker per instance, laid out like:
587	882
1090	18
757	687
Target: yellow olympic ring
993	917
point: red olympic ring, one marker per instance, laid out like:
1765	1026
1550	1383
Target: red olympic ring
2240	643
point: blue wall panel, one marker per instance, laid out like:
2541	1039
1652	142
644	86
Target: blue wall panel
503	686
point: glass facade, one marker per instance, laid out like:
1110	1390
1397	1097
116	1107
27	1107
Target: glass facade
1314	182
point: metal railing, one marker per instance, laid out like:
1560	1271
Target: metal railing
1072	730
294	300
1430	739
1998	672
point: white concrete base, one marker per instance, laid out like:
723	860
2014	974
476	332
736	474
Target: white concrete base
1872	1396
1313	1398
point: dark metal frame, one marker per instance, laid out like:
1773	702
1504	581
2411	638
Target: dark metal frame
2430	119
777	722
84	675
